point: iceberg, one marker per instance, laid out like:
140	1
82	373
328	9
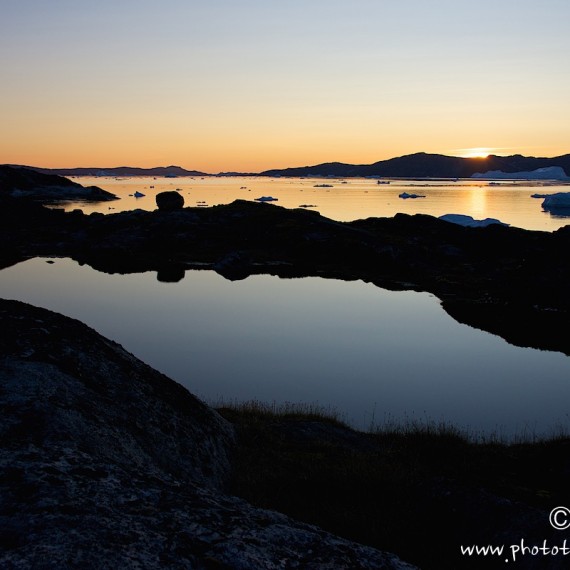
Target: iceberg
557	203
266	199
470	222
547	173
138	194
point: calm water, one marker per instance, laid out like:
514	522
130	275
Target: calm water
371	354
348	199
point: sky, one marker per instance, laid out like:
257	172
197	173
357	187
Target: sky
249	85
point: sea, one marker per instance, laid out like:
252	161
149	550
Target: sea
346	199
372	357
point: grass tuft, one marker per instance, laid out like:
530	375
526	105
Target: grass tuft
258	410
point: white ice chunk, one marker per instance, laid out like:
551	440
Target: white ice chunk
470	222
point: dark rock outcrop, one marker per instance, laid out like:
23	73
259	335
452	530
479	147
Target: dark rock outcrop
21	182
508	281
169	201
106	463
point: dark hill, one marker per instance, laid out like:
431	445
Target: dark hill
424	165
418	165
121	171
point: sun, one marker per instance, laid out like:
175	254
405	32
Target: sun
479	152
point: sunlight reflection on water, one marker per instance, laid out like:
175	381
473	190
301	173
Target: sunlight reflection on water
346	199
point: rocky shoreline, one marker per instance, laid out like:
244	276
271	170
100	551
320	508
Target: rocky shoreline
508	281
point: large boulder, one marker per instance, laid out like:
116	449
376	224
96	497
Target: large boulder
169	201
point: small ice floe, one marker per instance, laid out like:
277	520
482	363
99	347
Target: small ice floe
308	206
405	195
323	186
138	194
470	222
555	202
539	195
266	199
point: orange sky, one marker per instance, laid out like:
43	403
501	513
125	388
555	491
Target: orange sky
223	87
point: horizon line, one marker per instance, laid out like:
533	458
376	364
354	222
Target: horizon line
472	157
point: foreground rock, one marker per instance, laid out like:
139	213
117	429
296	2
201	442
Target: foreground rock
21	182
106	463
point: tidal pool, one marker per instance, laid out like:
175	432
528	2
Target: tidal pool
371	355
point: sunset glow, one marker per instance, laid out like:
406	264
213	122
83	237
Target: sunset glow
249	86
480	152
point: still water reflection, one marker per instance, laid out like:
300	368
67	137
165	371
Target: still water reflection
369	353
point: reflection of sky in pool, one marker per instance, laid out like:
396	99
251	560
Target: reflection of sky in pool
346	345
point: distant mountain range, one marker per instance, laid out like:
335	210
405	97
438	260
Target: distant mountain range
169	171
418	165
423	165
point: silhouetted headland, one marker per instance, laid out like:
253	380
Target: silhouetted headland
22	182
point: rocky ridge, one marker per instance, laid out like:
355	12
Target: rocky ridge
508	281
